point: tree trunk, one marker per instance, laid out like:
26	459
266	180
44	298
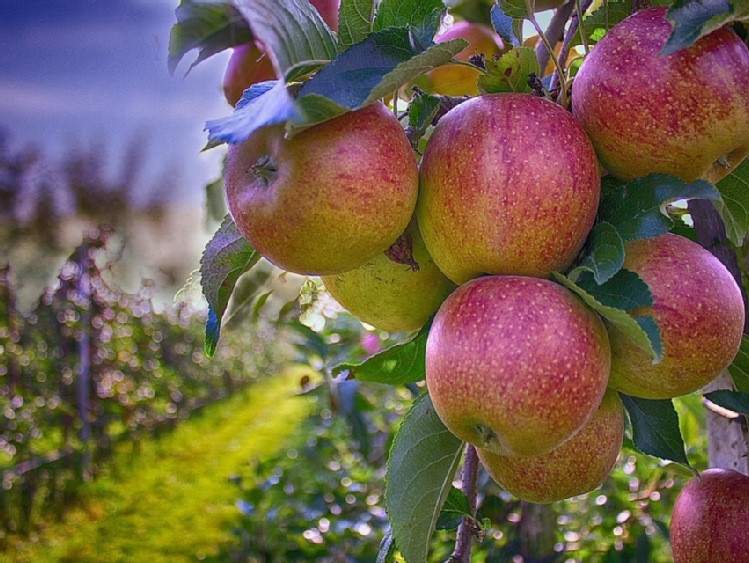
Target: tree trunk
84	363
538	527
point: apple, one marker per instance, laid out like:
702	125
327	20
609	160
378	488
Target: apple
576	467
396	290
458	80
684	114
699	310
516	365
710	519
249	64
509	184
329	199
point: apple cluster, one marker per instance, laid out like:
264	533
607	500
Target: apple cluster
505	194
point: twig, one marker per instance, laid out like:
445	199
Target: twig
554	33
567	43
467	528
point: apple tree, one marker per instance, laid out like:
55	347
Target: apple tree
552	226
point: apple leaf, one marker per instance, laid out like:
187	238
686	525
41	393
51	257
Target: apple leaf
421	467
376	67
421	113
295	37
207	25
226	257
455	508
655	428
354	22
503	25
515	9
736	401
261	105
598	22
386	554
610	299
399	364
604	254
423	16
739	368
734	207
637	209
510	72
692	19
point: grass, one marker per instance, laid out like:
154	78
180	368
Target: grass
173	500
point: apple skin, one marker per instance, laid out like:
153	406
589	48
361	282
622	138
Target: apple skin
509	184
710	519
329	199
576	467
516	365
457	80
677	114
249	64
390	295
700	312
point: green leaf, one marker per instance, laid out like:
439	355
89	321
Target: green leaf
598	22
515	9
737	401
655	428
261	105
421	467
354	22
692	19
739	369
421	112
509	73
637	209
604	254
294	35
734	207
399	364
423	16
208	25
502	24
226	257
376	67
455	508
608	299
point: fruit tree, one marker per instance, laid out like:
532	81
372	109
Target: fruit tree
556	248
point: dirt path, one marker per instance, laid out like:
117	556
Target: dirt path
173	501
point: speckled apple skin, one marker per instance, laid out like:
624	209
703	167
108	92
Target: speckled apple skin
700	312
675	114
710	519
520	356
509	185
389	295
343	192
576	467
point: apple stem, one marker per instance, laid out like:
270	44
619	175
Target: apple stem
264	169
467	528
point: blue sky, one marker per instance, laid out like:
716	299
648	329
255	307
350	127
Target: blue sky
85	71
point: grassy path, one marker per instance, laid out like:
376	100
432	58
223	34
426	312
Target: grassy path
173	501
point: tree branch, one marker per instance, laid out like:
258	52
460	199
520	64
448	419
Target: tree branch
568	37
467	528
554	33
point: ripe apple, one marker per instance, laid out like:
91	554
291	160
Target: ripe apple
684	114
249	64
700	312
576	467
710	519
458	80
329	199
396	290
516	365
509	185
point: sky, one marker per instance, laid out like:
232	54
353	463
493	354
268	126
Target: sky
87	71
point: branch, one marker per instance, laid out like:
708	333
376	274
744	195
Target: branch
554	33
467	529
569	36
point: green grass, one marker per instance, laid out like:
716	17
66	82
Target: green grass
173	501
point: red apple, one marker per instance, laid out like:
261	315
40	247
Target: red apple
516	365
699	310
509	185
249	64
396	290
329	199
710	519
576	467
458	80
684	114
